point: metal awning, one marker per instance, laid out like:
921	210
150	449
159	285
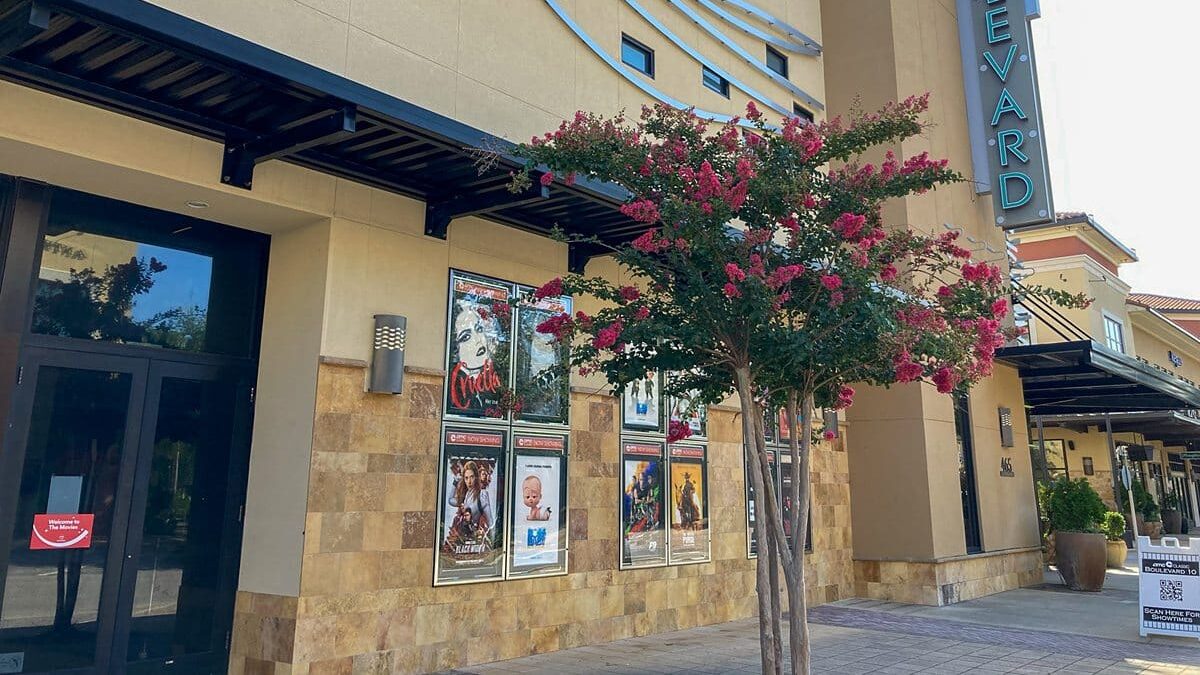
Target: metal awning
138	59
1169	427
1085	377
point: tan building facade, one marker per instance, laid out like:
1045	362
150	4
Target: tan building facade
281	173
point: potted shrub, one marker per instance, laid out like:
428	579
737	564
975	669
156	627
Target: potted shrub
1076	512
1114	531
1148	521
1172	519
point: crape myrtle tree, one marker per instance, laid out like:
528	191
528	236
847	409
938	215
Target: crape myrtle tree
765	271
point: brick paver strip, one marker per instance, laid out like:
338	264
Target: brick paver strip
1060	643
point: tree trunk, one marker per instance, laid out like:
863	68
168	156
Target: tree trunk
770	644
800	447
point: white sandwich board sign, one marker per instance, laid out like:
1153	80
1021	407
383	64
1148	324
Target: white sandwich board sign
1169	587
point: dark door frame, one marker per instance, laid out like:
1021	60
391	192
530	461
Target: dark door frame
24	212
972	530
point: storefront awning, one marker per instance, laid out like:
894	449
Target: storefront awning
1169	427
1085	377
138	59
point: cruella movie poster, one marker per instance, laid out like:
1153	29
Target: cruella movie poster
479	340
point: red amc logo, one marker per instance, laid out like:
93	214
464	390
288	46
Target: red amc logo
60	531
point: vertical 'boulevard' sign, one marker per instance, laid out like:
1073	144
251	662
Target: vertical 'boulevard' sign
1011	124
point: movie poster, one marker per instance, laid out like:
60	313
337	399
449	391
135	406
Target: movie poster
785	429
544	391
751	501
689	504
472	501
539	513
643	530
685	409
641	408
479	330
785	486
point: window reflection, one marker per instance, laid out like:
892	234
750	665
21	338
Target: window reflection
104	288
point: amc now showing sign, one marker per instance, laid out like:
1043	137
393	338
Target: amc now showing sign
1004	111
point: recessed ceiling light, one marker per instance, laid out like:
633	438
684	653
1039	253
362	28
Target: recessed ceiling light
197	204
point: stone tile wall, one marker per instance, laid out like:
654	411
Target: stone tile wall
949	581
367	603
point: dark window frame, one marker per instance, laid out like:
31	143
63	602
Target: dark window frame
803	113
783	62
720	87
626	40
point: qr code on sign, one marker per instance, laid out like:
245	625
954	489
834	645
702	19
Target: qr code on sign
1170	591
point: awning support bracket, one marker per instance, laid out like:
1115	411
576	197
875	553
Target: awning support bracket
439	212
241	156
22	25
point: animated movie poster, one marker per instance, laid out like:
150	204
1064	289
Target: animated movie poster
641	404
751	502
543	391
689	504
643	530
478	345
694	414
470	524
539	519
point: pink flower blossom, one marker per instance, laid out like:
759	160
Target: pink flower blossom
550	289
1000	308
734	272
829	434
629	293
547	178
909	371
831	282
889	272
732	291
559	325
678	430
641	210
642	313
570	179
849	225
584	321
607	337
752	111
836	298
945	380
845	397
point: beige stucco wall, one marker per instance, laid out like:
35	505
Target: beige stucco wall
512	68
1154	339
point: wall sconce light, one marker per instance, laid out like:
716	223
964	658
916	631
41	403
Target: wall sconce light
387	356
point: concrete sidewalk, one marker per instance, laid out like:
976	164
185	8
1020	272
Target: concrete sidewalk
1045	629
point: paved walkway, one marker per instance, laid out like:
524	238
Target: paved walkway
856	641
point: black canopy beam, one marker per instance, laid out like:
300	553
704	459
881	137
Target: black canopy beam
579	254
439	212
237	167
21	25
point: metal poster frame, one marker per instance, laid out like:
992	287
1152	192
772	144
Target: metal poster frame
535	449
498	284
521	297
773	460
501	456
660	457
692	454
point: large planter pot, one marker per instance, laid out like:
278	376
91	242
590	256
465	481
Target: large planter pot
1172	522
1152	529
1116	553
1082	557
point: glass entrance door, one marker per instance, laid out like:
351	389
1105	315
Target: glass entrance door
121	531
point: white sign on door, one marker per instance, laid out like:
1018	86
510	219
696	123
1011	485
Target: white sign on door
1169	587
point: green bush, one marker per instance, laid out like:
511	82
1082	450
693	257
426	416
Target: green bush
1113	526
1147	508
1170	501
1074	506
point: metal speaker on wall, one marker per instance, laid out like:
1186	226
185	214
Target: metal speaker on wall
387	357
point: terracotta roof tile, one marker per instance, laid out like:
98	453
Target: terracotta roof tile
1165	302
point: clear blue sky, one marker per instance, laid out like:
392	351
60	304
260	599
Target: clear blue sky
1119	95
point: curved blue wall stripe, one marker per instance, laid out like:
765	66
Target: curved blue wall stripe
756	33
692	52
629	74
734	47
770	20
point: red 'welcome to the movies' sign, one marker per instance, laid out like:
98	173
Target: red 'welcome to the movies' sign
60	531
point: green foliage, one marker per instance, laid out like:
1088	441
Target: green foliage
1113	525
1170	501
1147	508
1074	506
